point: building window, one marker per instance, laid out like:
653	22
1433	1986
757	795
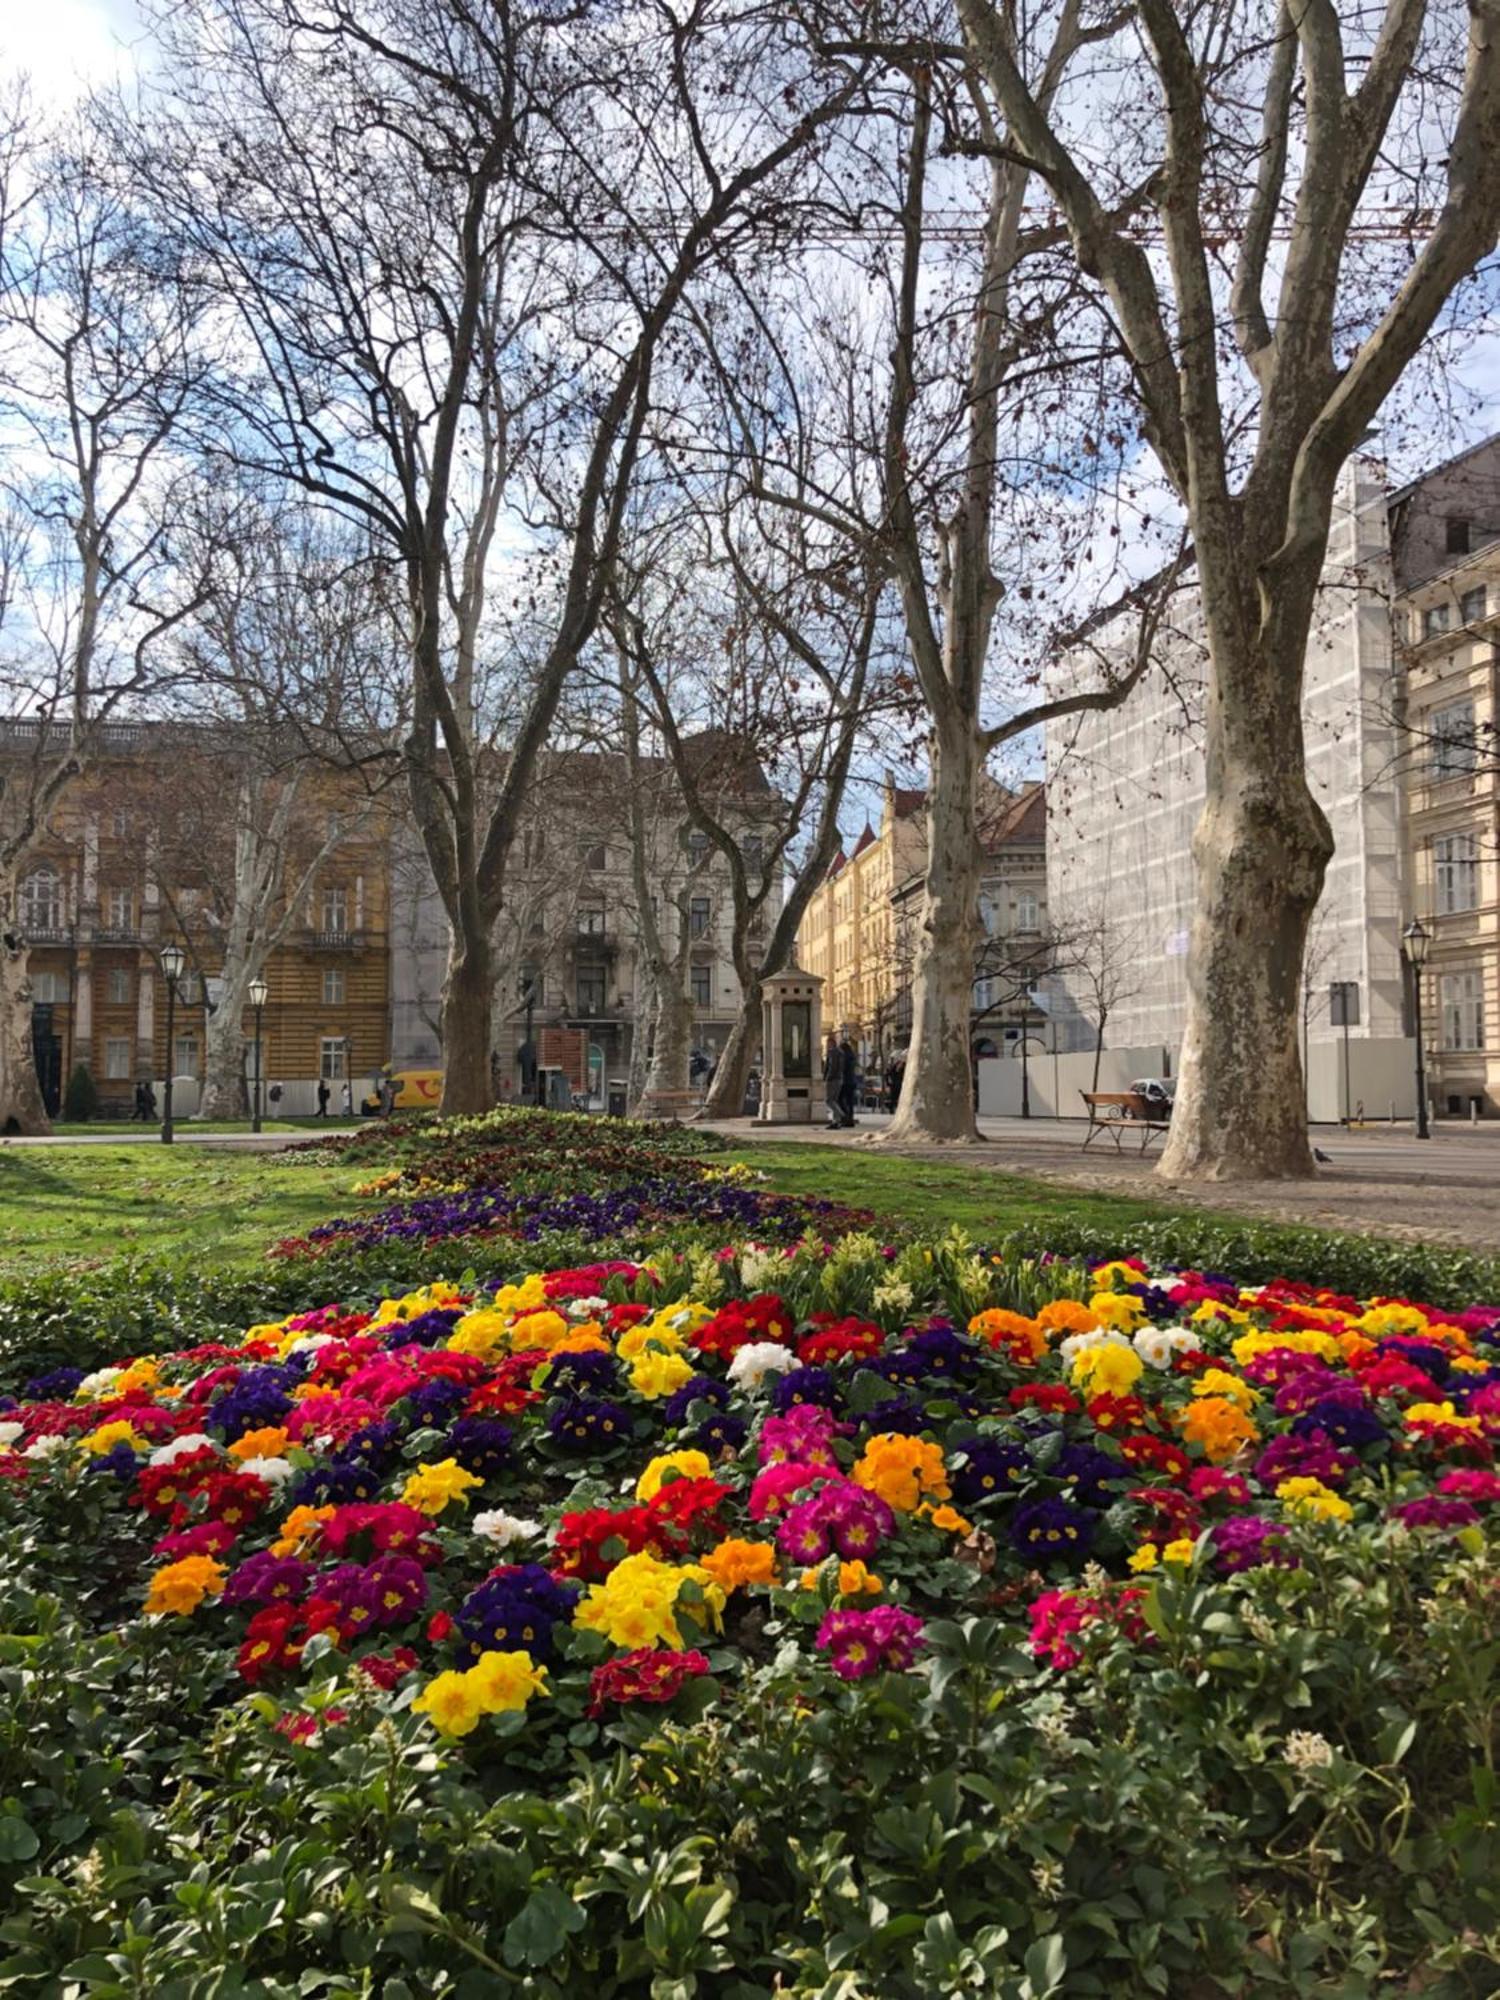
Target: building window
119	986
1435	620
752	850
596	859
700	914
696	842
1455	867
333	989
336	911
333	1058
185	1062
591	920
1461	996
50	989
1451	731
1458	536
984	995
702	985
755	925
119	825
1473	604
591	991
1027	911
533	847
117	1058
117	909
41	901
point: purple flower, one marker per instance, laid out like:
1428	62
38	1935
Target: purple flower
515	1610
584	1370
481	1445
1353	1425
1248	1541
724	1432
1435	1510
1312	1455
840	1515
267	1579
902	1414
805	1386
1052	1530
582	1425
335	1485
991	1468
861	1643
698	1389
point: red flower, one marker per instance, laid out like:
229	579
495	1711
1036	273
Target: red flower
439	1627
386	1669
644	1675
1115	1413
1051	1396
1157	1455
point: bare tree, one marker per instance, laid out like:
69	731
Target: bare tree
455	241
96	338
1252	405
1100	962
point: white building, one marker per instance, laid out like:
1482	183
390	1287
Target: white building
1125	788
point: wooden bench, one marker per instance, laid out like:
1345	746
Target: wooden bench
1117	1112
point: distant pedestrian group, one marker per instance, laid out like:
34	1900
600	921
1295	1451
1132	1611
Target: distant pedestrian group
145	1105
840	1080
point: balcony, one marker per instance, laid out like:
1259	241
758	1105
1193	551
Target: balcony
35	934
333	940
118	934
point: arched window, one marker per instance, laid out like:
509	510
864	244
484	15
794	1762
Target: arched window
41	901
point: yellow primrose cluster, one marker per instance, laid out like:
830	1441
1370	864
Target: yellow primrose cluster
431	1487
1108	1369
636	1605
496	1682
1311	1500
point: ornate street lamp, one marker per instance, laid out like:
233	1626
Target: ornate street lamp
259	994
1414	947
171	960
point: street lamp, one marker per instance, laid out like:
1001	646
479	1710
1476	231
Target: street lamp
259	994
172	962
1414	945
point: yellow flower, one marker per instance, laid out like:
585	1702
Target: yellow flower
269	1442
1304	1341
140	1374
431	1487
1311	1500
1122	1312
902	1470
1108	1369
1145	1557
636	1604
182	1586
1180	1551
1471	1364
452	1701
948	1519
854	1580
300	1527
685	1464
505	1680
1213	1313
1218	1382
1426	1413
109	1435
1382	1320
654	1375
1114	1273
481	1334
541	1327
585	1338
735	1563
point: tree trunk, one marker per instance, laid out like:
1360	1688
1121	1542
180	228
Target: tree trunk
937	1094
224	1092
1261	847
468	1081
21	1107
1098	1048
726	1094
640	1043
668	1090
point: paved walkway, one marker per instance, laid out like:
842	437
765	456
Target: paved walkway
229	1142
1381	1179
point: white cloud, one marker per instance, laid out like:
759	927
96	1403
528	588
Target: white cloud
68	47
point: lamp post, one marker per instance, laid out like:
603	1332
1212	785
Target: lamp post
172	962
259	994
1414	944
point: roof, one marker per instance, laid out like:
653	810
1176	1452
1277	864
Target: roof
866	839
837	865
906	801
1020	822
1405	492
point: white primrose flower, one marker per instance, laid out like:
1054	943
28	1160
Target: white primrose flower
47	1447
92	1387
8	1434
761	1358
1079	1343
274	1471
586	1308
1157	1344
504	1529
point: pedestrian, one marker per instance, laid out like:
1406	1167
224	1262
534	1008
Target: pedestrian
833	1077
895	1076
324	1093
848	1081
138	1116
150	1089
348	1098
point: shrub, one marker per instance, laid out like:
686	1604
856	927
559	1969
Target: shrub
81	1098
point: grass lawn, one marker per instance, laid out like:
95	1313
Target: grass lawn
930	1195
80	1204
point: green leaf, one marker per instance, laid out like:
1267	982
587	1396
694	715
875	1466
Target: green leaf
18	1838
541	1928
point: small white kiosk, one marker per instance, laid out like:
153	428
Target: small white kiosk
791	1035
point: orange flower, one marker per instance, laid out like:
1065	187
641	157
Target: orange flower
300	1526
1066	1316
735	1563
182	1586
267	1443
902	1470
854	1580
1219	1425
1021	1338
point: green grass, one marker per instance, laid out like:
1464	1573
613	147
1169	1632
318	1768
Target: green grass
187	1128
74	1205
930	1196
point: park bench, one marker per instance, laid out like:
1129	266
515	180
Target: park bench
1117	1112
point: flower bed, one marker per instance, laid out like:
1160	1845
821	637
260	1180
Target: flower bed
1095	1628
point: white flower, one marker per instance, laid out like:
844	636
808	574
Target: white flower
1157	1344
274	1471
761	1358
93	1386
47	1447
1307	1751
502	1529
180	1447
310	1343
9	1433
586	1308
892	1293
759	1268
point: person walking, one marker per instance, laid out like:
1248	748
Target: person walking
895	1076
848	1081
138	1116
348	1098
833	1078
324	1093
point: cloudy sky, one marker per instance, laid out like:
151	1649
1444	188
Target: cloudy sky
66	46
